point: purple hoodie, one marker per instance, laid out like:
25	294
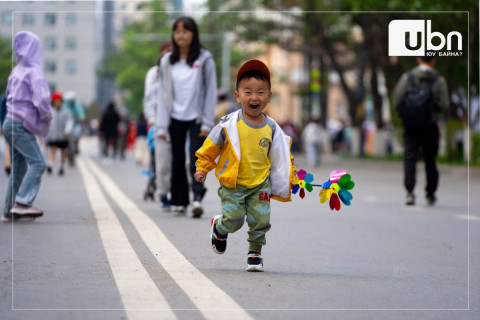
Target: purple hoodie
28	96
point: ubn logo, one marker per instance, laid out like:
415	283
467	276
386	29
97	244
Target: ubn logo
414	38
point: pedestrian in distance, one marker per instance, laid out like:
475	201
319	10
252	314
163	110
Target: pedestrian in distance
28	114
108	131
141	148
123	129
254	164
78	116
60	131
3	114
312	139
421	98
162	149
188	95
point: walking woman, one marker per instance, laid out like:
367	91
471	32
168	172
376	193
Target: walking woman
188	94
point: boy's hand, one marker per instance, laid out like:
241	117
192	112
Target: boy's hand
203	134
200	176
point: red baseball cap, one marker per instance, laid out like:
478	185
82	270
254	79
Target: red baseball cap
254	64
56	95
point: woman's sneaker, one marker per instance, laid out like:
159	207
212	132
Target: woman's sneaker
254	262
7	217
180	211
22	211
219	243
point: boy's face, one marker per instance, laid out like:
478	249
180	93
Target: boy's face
57	103
253	95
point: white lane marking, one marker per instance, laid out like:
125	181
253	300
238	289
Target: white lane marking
204	294
136	287
467	217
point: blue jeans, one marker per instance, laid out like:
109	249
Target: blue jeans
28	165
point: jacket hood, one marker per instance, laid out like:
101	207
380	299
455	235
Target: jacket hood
205	53
27	49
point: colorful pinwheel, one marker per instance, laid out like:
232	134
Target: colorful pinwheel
304	182
336	189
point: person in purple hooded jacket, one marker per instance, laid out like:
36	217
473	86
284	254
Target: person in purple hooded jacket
28	115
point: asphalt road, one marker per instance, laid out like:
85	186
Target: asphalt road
102	252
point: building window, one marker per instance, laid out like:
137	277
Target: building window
50	66
7	17
70	43
28	19
50	43
50	19
71	67
71	19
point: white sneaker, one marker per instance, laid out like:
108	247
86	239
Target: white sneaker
179	210
197	209
254	262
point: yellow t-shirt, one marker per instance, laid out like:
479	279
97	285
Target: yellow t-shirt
255	143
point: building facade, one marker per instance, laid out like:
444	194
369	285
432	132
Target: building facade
69	34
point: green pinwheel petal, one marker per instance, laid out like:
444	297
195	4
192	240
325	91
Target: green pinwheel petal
346	183
309	187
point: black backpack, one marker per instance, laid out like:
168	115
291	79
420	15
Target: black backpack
417	104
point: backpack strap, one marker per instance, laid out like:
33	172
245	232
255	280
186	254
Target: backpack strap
411	78
432	81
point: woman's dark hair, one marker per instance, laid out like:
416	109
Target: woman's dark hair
195	46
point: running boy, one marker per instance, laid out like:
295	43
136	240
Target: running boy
60	130
254	164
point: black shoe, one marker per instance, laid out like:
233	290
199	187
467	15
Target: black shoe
61	172
431	199
410	199
254	262
49	170
165	203
219	243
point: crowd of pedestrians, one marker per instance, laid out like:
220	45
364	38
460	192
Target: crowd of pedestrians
181	135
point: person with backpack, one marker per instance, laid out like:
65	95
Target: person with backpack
421	99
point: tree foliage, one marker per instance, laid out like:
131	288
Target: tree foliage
324	29
130	63
5	61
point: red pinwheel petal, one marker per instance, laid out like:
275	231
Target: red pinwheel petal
301	174
302	193
334	202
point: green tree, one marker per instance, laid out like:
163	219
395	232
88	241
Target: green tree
5	62
130	63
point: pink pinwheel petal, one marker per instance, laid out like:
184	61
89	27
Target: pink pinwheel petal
301	174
